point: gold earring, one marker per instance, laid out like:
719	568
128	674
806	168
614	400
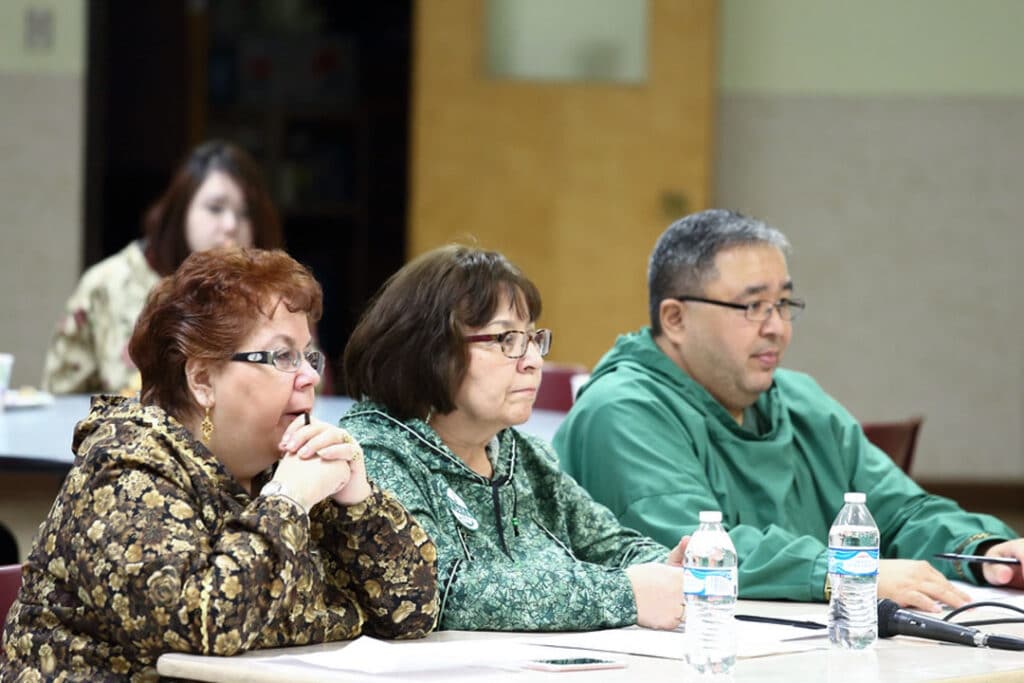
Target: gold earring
207	427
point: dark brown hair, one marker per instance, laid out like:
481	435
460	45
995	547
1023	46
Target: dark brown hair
205	309
408	351
164	223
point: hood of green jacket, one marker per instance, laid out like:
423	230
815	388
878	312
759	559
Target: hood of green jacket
638	353
433	453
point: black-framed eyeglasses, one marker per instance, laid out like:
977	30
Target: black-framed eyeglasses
515	342
756	311
285	360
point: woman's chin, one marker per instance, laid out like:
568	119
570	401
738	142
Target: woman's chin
520	416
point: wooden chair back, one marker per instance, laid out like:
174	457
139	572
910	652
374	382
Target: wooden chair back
897	439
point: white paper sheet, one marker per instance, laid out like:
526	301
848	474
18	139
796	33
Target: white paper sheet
372	656
753	639
1010	596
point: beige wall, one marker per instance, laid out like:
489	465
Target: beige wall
887	140
872	47
41	156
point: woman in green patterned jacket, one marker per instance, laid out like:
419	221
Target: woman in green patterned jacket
447	360
211	516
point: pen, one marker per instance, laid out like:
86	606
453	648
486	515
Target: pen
976	559
306	415
813	625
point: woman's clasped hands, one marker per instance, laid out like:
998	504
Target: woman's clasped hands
321	460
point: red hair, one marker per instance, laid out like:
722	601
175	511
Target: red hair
204	311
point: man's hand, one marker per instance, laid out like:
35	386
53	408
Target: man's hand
1005	574
917	584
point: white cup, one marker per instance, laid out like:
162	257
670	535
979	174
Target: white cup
6	363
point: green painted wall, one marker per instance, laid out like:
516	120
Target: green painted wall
872	47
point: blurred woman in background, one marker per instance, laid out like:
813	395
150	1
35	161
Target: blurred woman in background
217	197
211	515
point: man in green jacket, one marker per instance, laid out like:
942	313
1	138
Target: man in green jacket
693	413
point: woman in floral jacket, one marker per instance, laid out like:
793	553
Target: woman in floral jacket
175	532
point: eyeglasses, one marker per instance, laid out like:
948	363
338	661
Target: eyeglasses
285	360
515	342
756	311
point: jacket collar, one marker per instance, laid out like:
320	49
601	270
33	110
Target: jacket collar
433	452
640	353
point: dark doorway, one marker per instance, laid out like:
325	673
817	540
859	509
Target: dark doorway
317	92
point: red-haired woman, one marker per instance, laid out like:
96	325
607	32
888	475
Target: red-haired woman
174	531
217	197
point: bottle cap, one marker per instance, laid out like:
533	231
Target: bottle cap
712	516
854	497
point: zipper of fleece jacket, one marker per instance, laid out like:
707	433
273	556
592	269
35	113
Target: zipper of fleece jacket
494	485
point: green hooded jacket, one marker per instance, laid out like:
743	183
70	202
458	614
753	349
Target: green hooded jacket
656	448
527	550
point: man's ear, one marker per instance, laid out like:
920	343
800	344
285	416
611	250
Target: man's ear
197	374
672	314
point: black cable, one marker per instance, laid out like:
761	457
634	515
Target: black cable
993	640
983	603
989	622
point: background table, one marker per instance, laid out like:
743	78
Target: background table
39	439
35	454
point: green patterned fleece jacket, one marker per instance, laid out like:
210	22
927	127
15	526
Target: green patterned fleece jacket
527	550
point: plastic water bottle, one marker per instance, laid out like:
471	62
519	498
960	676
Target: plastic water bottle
710	586
853	574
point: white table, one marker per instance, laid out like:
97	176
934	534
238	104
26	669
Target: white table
896	660
39	439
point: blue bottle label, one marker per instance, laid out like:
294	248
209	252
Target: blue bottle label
853	561
710	582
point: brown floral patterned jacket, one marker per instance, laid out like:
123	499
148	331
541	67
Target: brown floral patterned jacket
152	547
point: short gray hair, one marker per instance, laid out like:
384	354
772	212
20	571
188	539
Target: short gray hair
683	260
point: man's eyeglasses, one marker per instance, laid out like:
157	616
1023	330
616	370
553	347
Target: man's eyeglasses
756	311
515	342
285	360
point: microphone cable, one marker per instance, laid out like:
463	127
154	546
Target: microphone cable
997	641
985	622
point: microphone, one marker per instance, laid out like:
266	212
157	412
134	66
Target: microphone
893	621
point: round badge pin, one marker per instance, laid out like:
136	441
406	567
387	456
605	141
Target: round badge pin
461	511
